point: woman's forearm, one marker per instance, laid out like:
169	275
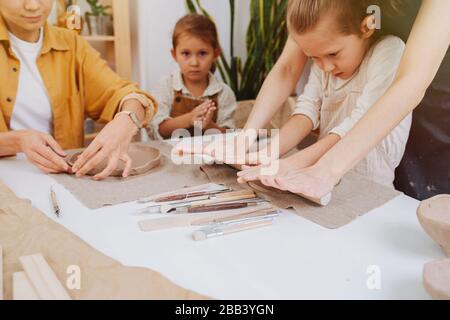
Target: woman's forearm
169	126
293	132
425	50
9	143
278	86
313	153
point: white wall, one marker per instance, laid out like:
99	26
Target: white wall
152	25
152	22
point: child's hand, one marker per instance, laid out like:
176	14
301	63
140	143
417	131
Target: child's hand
199	113
208	118
263	156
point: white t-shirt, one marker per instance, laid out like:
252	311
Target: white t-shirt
32	109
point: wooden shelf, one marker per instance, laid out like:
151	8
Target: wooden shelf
116	49
100	38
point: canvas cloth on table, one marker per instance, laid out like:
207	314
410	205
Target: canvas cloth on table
112	191
25	230
352	198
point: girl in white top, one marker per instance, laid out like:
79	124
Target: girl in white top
193	96
353	67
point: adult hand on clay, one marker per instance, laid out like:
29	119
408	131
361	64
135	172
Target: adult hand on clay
315	182
111	143
42	151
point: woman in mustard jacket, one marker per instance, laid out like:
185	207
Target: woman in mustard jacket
50	81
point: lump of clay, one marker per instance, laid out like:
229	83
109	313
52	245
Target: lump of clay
144	158
434	216
436	278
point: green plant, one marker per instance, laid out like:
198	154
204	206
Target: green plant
265	40
97	9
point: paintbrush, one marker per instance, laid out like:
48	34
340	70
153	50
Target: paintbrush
201	188
210	200
214	208
203	219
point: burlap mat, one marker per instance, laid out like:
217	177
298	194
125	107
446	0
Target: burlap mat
25	230
352	198
166	177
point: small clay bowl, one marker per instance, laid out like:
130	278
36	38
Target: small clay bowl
434	216
144	158
436	279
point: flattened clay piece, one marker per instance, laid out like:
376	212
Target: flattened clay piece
144	158
436	279
434	216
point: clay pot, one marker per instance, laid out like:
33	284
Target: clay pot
144	158
434	216
436	279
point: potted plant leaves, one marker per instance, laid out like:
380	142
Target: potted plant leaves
99	19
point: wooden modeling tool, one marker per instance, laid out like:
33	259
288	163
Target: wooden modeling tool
436	278
216	207
217	199
180	221
227	230
187	196
22	288
241	218
55	205
434	216
183	199
200	188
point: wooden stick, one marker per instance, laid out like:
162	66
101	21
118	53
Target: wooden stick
43	279
228	197
180	191
256	214
22	288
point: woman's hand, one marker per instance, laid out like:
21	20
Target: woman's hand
315	182
42	151
111	143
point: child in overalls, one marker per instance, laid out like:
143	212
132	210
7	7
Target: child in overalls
193	96
354	64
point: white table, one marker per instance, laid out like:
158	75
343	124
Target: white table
294	259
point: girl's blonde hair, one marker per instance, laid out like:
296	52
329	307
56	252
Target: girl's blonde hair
303	15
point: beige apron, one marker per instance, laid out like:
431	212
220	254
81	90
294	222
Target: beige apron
338	104
182	105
